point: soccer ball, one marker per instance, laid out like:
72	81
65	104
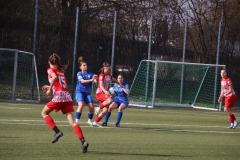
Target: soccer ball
112	91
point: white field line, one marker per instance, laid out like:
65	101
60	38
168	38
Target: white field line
7	107
174	125
194	131
18	104
209	113
29	122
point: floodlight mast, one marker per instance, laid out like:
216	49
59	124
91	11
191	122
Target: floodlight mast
222	2
218	52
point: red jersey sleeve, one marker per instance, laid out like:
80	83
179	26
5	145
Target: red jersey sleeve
228	82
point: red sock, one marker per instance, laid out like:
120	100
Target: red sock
98	119
48	119
232	118
101	106
78	131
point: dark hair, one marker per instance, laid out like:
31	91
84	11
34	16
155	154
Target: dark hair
226	71
55	60
105	64
120	75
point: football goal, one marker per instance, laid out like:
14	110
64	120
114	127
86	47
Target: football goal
167	83
18	76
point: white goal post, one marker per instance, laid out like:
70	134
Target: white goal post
18	76
168	83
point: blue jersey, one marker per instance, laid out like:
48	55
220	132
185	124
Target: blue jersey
86	87
120	94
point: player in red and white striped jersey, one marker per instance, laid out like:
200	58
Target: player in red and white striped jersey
228	92
61	100
102	93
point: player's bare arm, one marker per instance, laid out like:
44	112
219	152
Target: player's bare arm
124	89
94	78
53	80
115	81
86	81
103	89
230	89
221	96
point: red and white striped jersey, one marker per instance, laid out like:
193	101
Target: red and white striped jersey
225	83
106	78
60	90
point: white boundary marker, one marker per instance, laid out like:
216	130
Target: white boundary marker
29	122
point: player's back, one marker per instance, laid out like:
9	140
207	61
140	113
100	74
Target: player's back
60	91
61	81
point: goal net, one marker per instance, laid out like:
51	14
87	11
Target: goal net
18	76
166	83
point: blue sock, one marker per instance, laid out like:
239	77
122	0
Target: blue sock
78	115
90	116
107	117
119	116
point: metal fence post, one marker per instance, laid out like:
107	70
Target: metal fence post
149	57
75	52
113	42
34	47
183	59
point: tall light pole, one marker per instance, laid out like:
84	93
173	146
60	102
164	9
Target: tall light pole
220	30
218	51
222	2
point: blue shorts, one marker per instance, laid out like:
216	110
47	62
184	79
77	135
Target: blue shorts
83	96
118	102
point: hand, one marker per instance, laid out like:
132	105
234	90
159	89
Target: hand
107	93
45	88
48	91
220	99
95	76
120	86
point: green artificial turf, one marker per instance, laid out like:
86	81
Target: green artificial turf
159	133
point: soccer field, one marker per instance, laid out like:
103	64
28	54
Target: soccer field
145	134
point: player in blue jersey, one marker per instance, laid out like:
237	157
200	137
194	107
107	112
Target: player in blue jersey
83	91
120	100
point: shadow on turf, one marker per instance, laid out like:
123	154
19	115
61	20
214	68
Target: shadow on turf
136	154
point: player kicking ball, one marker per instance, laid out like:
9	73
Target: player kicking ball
102	93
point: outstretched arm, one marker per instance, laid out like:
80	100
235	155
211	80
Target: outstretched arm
94	78
114	80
